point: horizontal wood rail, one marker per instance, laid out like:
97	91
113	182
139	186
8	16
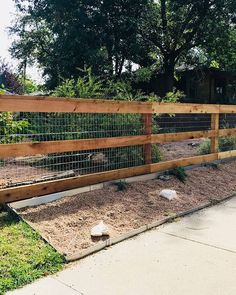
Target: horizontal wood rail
48	147
10	103
40	189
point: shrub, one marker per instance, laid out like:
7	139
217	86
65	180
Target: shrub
156	154
179	173
122	185
11	129
87	86
225	144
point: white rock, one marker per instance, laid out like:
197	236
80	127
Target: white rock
99	230
168	194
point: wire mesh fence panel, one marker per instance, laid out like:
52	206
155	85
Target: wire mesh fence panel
227	143
26	170
42	127
27	127
227	121
183	149
173	123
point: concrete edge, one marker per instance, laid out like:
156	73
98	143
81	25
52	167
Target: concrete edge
54	197
135	232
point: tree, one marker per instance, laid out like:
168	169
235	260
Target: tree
64	36
223	53
8	80
173	28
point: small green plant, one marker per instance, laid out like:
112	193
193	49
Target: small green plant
212	165
87	86
173	96
179	173
121	185
225	144
11	129
66	89
156	154
2	89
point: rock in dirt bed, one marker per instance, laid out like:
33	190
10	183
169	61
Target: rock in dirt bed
67	222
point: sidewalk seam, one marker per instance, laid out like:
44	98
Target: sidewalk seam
77	291
198	242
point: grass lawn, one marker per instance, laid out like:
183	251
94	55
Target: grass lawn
24	256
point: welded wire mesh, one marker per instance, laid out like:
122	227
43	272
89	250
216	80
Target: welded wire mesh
227	121
227	143
28	127
172	123
39	127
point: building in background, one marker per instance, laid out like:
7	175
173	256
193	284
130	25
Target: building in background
208	85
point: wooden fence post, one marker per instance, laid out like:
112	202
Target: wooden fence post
215	122
147	127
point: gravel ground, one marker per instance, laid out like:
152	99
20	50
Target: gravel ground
68	221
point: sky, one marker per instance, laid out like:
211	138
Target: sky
7	12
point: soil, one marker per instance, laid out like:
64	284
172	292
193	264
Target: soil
180	149
67	222
13	174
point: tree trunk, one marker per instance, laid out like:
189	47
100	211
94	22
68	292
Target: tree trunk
169	79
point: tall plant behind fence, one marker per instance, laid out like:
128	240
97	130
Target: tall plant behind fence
52	144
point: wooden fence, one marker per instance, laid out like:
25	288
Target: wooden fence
61	105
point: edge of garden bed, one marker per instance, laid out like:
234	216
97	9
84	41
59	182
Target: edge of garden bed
115	240
36	201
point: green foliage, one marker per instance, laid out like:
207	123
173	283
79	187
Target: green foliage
122	185
204	148
66	89
122	90
107	36
143	74
212	165
24	256
87	86
2	89
156	154
101	34
11	129
179	173
225	144
173	96
178	28
28	85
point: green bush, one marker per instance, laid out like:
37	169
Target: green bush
11	129
122	185
87	86
225	144
179	173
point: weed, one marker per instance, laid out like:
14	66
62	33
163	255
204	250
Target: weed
122	185
179	173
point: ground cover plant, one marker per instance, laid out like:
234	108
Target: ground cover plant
24	256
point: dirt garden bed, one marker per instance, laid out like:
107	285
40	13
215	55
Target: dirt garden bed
67	222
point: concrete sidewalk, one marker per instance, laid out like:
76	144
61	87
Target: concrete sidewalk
196	255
